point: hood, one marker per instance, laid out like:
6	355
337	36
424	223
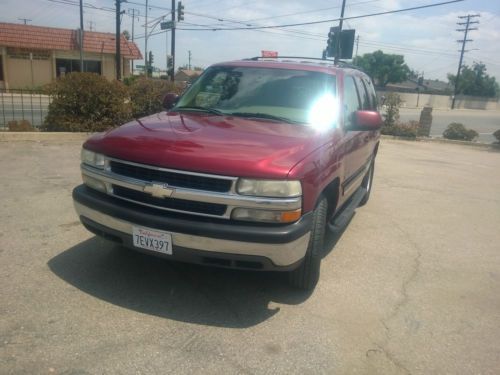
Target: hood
199	142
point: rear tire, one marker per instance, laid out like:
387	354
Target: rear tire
367	183
306	276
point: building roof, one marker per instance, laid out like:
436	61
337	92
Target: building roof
51	38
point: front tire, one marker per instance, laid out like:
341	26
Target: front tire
306	276
367	183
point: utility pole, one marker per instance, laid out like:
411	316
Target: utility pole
25	20
466	30
133	13
91	25
146	42
172	43
189	59
357	46
118	37
82	69
337	40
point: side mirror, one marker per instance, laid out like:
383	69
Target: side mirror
170	100
366	121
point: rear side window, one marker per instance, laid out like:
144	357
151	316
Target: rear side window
365	99
371	93
351	100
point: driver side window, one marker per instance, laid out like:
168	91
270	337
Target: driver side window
351	100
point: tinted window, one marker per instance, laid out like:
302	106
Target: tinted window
371	93
286	93
365	99
351	100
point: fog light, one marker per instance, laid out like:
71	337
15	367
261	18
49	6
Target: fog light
267	216
94	183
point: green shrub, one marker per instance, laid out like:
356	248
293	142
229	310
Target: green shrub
86	102
458	131
20	126
391	116
146	95
497	135
406	130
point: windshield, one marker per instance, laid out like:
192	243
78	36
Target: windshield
293	96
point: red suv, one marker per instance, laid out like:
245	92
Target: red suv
247	169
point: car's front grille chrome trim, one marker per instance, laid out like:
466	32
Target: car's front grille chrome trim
229	199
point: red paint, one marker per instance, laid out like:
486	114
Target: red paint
242	147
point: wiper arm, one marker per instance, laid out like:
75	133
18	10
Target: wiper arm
199	108
264	116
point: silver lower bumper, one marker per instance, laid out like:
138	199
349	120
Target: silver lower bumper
280	254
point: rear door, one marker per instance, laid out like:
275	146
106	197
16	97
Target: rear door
354	154
368	103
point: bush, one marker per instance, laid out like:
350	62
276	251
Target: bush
406	130
497	135
146	95
458	131
391	116
20	126
86	102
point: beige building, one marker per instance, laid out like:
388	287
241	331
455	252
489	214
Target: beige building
32	56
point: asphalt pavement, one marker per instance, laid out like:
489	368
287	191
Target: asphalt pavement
410	287
482	121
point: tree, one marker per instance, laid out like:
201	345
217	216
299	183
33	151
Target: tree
474	81
383	68
126	34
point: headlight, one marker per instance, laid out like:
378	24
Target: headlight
267	216
93	159
269	188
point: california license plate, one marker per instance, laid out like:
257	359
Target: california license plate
152	239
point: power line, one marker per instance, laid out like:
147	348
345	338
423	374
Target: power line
329	20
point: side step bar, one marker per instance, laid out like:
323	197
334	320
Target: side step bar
340	220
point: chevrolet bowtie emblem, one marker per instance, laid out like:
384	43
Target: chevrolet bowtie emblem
158	190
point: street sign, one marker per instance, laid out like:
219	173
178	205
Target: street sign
269	53
140	66
167	25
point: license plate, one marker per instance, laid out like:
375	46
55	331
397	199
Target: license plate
152	239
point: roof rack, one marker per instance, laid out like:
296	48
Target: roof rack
341	63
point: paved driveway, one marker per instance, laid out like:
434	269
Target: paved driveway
411	286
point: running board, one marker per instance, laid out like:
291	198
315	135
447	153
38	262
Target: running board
339	221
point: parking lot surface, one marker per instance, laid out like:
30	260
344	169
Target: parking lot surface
410	287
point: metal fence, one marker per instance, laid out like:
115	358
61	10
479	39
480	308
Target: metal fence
19	105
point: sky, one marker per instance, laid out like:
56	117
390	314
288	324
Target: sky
427	38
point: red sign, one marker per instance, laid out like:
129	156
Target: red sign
269	53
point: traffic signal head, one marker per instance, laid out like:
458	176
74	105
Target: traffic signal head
180	11
169	61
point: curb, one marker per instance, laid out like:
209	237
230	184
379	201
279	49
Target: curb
42	136
485	146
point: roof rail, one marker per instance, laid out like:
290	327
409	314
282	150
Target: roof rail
341	63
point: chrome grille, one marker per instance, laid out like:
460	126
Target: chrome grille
172	178
170	203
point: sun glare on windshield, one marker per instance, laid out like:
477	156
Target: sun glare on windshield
323	113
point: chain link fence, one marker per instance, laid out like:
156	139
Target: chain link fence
25	108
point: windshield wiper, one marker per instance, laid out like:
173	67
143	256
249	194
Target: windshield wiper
264	116
199	108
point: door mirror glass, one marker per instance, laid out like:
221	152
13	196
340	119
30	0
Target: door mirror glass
170	100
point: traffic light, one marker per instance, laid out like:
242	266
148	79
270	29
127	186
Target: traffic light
346	43
169	62
180	11
330	47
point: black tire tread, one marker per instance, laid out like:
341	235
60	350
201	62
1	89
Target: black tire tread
306	276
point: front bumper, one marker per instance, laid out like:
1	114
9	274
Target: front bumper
198	240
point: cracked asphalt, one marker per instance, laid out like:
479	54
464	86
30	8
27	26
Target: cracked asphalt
410	287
